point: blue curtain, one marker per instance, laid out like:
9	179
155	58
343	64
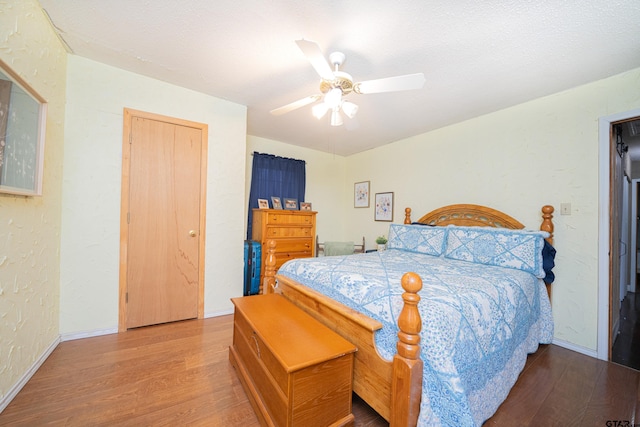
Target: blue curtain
275	176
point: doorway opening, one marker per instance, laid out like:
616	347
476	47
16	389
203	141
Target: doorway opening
618	227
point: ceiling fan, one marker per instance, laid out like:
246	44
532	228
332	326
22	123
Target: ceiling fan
335	85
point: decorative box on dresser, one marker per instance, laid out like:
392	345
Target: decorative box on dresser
295	370
293	231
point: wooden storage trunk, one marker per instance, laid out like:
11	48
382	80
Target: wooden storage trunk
296	371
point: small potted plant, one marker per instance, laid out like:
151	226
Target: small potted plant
382	243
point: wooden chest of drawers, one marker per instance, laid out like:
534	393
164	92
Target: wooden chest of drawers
293	231
295	370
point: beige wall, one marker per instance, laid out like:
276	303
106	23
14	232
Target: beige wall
516	160
96	97
326	187
30	230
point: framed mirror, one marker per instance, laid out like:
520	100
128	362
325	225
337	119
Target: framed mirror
23	115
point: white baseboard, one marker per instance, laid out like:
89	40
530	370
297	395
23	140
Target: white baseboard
218	313
576	348
87	334
13	391
107	331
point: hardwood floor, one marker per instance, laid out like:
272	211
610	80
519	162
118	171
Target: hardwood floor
179	374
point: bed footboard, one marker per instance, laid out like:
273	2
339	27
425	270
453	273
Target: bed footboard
394	388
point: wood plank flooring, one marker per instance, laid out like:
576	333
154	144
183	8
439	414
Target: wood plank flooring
179	374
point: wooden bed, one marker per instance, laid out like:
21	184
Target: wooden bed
394	388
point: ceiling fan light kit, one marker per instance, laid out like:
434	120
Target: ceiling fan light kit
319	110
336	84
333	98
349	108
336	118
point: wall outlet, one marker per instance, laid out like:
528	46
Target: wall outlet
565	208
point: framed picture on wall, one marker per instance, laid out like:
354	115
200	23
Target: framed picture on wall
23	120
361	194
384	207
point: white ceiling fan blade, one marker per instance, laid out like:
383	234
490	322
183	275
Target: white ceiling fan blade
391	84
313	53
296	104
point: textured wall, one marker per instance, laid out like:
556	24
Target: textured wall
90	236
30	226
516	160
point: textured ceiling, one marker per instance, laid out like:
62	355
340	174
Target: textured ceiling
477	57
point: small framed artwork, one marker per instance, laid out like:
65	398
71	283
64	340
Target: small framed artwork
305	206
275	201
361	194
263	203
291	204
384	207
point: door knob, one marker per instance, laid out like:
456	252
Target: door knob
192	233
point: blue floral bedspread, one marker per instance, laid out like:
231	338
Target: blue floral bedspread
479	322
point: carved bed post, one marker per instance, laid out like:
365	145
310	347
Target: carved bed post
547	225
547	222
406	385
407	215
269	280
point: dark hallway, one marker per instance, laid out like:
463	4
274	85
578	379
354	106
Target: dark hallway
626	347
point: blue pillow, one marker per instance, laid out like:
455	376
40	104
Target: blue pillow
416	238
518	249
548	262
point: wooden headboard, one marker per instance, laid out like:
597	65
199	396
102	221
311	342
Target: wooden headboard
482	216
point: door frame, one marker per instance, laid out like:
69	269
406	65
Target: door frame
625	257
634	230
604	190
124	206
